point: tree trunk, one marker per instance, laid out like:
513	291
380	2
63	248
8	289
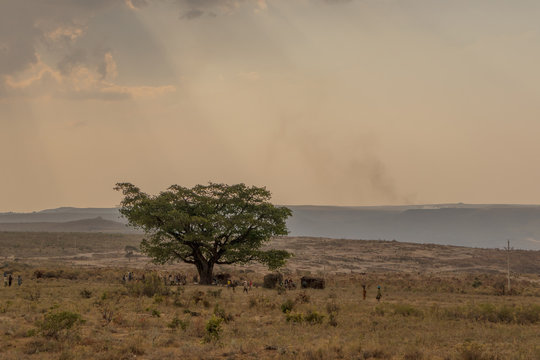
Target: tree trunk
206	271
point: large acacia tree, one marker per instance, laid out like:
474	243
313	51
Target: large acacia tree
206	225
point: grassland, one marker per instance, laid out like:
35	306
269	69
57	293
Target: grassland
81	309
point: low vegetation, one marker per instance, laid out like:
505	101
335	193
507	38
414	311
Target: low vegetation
86	311
95	315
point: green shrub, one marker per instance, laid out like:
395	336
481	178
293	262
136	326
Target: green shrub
313	317
287	306
213	329
220	313
294	317
177	323
56	325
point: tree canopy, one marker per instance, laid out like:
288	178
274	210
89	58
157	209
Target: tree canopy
207	225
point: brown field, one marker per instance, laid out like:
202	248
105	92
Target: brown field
439	302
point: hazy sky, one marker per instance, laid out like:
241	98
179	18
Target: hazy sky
358	102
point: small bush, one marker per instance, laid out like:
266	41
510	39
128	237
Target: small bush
287	306
313	317
213	329
294	317
56	325
220	313
332	307
177	323
303	298
86	294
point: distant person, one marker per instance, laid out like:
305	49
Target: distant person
10	279
379	294
246	286
19	280
364	292
130	276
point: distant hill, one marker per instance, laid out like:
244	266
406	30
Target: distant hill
97	224
487	226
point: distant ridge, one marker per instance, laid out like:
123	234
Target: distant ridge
472	225
97	224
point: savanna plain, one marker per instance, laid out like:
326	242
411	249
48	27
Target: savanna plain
438	302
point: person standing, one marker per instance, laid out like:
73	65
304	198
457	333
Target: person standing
379	294
364	292
19	280
10	279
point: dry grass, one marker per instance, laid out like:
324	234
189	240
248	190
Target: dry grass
422	315
411	322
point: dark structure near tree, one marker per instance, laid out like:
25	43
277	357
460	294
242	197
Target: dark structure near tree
312	282
271	281
206	225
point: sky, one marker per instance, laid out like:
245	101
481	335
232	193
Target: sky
324	102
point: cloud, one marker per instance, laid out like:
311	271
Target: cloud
192	14
79	82
35	34
193	9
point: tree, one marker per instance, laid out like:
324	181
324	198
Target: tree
207	225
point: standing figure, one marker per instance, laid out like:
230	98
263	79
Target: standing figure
364	292
245	286
19	280
10	279
379	294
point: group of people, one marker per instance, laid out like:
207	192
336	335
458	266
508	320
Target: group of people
177	279
289	284
168	279
8	279
232	284
378	296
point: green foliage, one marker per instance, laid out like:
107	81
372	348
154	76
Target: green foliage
476	283
57	325
222	314
294	317
207	225
287	306
178	323
213	329
314	317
